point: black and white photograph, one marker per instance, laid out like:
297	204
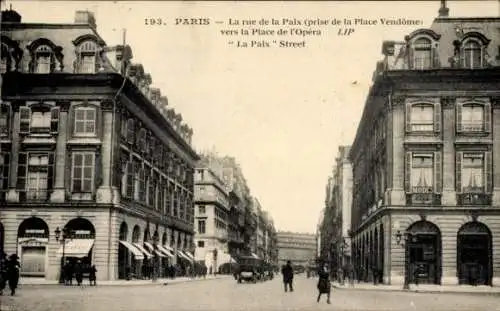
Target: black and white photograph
249	155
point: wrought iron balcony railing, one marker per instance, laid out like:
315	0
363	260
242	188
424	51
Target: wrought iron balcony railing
473	198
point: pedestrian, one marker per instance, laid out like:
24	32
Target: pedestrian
68	273
13	267
3	272
92	276
79	272
287	272
324	285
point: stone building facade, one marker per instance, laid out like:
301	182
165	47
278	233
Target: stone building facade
92	157
426	158
300	248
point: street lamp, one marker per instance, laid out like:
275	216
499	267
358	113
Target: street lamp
62	236
408	237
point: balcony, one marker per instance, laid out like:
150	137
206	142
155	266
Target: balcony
34	195
474	198
423	196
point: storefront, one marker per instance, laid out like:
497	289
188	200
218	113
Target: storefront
32	241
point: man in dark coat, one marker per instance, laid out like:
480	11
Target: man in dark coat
13	267
3	272
324	285
287	272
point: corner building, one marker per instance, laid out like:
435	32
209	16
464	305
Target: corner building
90	148
426	157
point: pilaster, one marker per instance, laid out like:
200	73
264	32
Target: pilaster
12	194
58	194
496	150
448	158
105	192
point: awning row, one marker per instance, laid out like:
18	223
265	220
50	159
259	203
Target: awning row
141	252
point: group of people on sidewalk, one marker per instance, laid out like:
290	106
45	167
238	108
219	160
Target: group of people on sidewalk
9	272
77	271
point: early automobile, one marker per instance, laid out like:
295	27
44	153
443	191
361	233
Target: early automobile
248	269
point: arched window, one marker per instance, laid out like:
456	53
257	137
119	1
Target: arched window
43	59
472	54
86	53
422	54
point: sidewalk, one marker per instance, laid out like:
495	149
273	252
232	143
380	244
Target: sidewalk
26	281
422	288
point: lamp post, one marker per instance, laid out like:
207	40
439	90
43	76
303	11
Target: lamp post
62	236
408	239
155	258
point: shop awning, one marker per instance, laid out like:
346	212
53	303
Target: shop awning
137	253
189	255
152	249
143	250
255	256
165	251
76	248
170	249
181	253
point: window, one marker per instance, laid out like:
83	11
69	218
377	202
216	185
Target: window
422	173
87	52
141	139
422	118
43	58
140	185
85	121
35	174
83	169
175	207
40	119
4	170
4	118
473	173
472	118
201	226
201	209
201	244
151	188
5	58
422	54
130	131
472	54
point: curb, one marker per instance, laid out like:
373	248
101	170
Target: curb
123	284
419	291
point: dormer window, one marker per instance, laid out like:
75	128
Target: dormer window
44	60
472	54
86	57
422	54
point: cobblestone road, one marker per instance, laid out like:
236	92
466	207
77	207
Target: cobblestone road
226	294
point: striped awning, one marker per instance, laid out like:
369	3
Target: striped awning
181	253
143	250
134	250
78	248
152	249
165	251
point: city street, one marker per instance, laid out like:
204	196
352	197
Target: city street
226	294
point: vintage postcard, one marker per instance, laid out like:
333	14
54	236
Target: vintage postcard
249	155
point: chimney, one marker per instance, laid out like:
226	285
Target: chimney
10	16
85	17
443	10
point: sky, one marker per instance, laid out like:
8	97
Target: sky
281	112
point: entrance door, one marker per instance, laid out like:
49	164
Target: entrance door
423	259
474	254
33	261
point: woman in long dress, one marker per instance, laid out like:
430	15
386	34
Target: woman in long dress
324	286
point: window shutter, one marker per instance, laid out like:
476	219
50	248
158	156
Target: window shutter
5	171
54	120
407	181
410	57
459	117
22	170
488	172
458	169
461	58
487	117
130	180
408	117
435	57
437	117
130	131
438	176
98	170
50	173
24	120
